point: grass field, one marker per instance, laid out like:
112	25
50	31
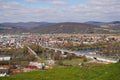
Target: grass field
95	72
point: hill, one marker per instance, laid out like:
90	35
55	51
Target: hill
67	27
10	30
20	27
97	72
110	73
26	25
114	25
95	23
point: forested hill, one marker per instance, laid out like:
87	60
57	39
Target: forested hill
65	27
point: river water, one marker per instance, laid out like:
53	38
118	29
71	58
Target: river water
88	51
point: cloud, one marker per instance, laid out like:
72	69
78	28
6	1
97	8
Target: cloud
36	0
104	2
40	0
100	10
11	11
51	2
58	3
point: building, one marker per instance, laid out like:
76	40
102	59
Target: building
4	70
4	58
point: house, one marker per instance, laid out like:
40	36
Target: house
50	62
29	68
32	66
4	58
4	70
15	71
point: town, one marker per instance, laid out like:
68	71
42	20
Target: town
59	39
28	52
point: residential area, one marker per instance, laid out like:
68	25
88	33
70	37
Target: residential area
30	52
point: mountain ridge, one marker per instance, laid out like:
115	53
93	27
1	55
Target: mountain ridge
64	27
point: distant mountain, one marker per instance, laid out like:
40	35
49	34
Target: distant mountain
66	27
26	25
20	27
95	23
114	22
115	25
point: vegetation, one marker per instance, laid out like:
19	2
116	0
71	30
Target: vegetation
38	49
111	73
18	56
111	50
66	27
11	51
95	72
73	62
82	46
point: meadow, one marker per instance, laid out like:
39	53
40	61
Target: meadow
94	72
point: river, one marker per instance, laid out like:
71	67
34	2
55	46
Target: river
88	51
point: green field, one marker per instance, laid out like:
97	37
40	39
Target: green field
95	72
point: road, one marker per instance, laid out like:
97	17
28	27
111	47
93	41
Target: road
32	52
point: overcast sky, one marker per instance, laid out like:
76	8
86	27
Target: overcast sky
59	10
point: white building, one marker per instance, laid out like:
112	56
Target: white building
5	58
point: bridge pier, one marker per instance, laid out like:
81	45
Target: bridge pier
56	51
62	52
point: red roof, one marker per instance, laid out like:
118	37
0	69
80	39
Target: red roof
5	66
15	71
31	67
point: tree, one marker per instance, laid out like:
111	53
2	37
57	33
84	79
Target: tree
84	59
69	56
25	50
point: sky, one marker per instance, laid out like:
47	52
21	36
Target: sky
59	10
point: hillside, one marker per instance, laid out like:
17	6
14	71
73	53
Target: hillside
67	27
11	30
95	23
97	72
114	25
20	27
110	73
26	25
